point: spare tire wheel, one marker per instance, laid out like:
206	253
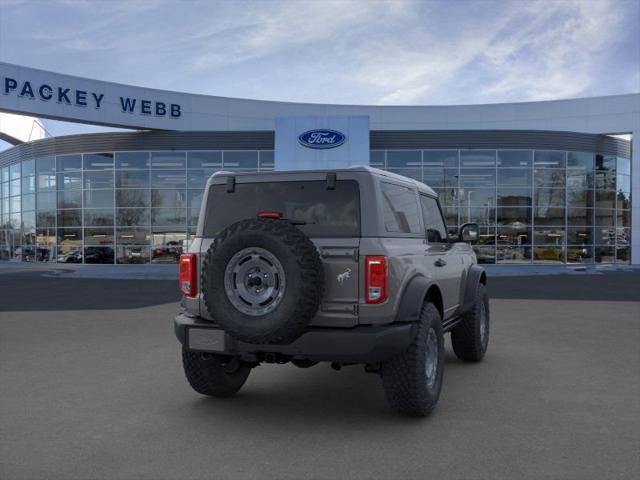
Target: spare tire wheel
262	281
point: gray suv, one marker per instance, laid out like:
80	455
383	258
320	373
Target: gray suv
349	266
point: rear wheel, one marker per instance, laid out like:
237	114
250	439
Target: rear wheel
214	375
470	339
412	380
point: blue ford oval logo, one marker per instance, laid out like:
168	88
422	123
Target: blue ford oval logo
322	138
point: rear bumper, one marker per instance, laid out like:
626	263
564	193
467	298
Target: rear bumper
362	344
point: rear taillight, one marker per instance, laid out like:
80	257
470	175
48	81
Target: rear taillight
188	272
375	279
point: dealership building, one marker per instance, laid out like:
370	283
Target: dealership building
548	182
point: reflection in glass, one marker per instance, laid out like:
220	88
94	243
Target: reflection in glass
549	159
168	217
376	158
168	160
70	218
127	254
605	254
510	196
440	158
548	254
98	179
98	217
132	179
168	198
477	158
137	160
69	180
403	158
583	160
580	235
514	158
68	162
509	254
233	159
580	254
97	161
98	199
103	254
168	179
204	160
132	198
70	199
132	217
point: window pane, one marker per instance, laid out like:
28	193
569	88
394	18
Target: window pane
46	200
477	158
514	216
14	187
28	184
400	209
433	221
98	199
515	158
605	254
98	254
69	218
549	159
206	160
549	236
98	161
69	253
15	204
70	199
45	165
605	217
483	216
605	235
549	197
516	197
477	177
28	167
29	202
549	178
605	163
376	158
514	176
578	197
623	183
404	158
133	236
168	179
132	178
46	182
267	159
440	158
98	217
169	217
168	198
605	199
98	236
623	166
132	217
46	218
514	255
579	178
485	197
584	160
580	254
624	218
548	254
69	180
168	159
580	235
514	234
132	254
132	198
69	162
548	216
579	216
132	160
29	221
98	179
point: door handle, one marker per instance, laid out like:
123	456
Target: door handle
440	262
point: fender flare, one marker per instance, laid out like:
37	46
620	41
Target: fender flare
410	304
474	277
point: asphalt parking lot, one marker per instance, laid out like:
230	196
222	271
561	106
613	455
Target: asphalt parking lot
91	387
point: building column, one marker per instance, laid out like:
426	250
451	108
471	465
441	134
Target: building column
635	197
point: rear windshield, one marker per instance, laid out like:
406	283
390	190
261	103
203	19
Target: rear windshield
316	210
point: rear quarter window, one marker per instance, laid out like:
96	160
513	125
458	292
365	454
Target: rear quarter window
400	207
316	210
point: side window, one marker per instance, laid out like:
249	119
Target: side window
401	212
433	222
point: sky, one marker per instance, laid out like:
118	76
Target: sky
396	52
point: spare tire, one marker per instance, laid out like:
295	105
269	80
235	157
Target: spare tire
262	281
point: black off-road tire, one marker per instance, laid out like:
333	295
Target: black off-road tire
404	376
214	375
469	338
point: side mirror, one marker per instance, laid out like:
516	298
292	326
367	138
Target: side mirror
469	232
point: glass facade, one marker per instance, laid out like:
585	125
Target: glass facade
109	207
533	206
540	206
